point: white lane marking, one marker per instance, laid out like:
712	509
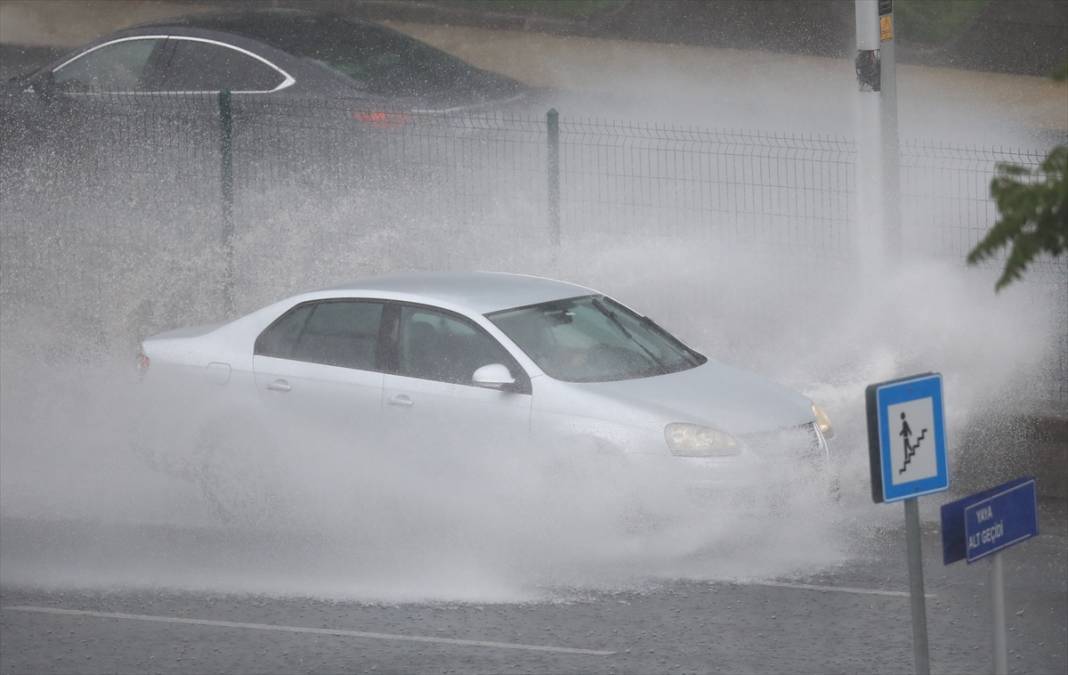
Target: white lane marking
312	631
831	589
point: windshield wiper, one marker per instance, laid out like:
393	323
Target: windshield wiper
691	356
661	368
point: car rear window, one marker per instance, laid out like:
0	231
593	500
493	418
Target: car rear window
203	66
377	59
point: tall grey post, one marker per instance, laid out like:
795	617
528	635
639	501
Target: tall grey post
877	79
226	156
552	122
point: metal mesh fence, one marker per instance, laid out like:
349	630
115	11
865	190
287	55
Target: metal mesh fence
772	190
115	213
110	211
353	191
946	192
946	211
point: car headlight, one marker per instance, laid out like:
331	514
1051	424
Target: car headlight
822	421
691	440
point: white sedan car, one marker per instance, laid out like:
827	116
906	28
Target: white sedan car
485	353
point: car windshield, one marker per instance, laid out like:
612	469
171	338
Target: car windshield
594	339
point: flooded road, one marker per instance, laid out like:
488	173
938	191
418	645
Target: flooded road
851	617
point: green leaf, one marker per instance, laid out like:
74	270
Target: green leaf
1032	215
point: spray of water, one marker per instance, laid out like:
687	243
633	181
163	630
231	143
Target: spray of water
300	511
104	485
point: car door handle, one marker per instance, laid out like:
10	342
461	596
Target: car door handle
402	400
279	385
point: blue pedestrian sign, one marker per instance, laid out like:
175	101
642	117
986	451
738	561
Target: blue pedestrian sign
906	438
987	522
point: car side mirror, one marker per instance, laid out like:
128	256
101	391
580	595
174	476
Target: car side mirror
493	376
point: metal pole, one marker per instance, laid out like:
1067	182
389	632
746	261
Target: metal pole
997	608
226	152
552	119
879	184
888	124
919	601
867	25
869	137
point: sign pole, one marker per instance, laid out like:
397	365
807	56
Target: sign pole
983	525
908	458
916	594
997	606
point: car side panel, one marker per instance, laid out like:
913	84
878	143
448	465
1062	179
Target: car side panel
311	403
425	415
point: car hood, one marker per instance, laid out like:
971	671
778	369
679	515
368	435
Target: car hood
712	394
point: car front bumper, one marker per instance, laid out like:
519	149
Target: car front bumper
781	462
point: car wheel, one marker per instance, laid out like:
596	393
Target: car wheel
634	511
238	473
161	444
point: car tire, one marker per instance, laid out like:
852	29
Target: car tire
238	473
607	466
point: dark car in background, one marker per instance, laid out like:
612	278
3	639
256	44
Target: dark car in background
274	53
305	87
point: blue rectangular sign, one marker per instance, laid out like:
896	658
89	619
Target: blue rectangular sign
989	521
906	437
1001	520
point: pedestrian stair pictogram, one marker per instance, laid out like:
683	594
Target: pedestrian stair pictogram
910	448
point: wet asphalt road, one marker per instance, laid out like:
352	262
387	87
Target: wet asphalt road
852	617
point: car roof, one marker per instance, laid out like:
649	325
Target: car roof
476	292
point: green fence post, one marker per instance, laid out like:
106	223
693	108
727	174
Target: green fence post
226	152
552	119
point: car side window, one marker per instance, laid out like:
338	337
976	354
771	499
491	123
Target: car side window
439	346
204	66
120	66
280	338
341	333
332	332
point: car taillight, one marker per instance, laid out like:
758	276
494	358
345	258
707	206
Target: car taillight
380	119
143	362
